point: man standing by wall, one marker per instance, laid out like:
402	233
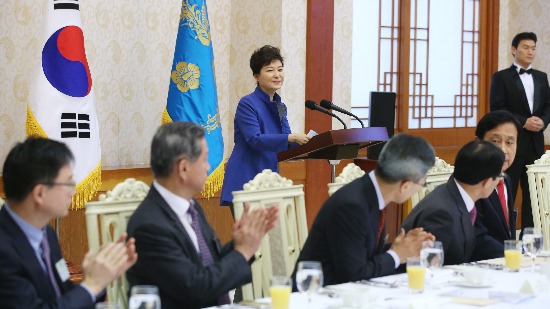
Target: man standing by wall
524	92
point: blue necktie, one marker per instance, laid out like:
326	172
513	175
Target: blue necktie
45	246
205	253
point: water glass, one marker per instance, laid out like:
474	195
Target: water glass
279	289
309	278
512	255
432	256
532	242
144	296
416	273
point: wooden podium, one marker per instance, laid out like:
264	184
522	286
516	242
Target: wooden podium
333	146
336	144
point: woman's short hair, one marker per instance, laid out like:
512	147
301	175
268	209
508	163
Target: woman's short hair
264	56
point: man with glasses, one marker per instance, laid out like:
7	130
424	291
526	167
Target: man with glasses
448	212
496	216
348	235
38	183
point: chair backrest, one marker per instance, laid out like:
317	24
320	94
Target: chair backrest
279	250
538	175
349	173
1	203
437	175
106	220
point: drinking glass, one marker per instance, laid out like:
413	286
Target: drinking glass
144	296
309	278
416	272
432	256
279	289
512	254
532	243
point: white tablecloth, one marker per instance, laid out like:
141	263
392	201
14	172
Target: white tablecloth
400	297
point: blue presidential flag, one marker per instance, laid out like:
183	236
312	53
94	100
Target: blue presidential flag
192	95
61	104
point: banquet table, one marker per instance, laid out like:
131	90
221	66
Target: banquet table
447	289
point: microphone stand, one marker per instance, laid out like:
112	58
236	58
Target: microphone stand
340	119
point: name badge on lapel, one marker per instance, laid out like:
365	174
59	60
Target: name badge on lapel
62	270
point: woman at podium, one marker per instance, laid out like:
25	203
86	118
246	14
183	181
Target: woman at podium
261	125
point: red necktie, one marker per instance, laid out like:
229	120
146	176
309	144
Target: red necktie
502	198
381	221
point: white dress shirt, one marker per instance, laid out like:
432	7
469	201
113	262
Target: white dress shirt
381	206
470	204
180	206
527	81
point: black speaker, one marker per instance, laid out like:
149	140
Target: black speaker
381	114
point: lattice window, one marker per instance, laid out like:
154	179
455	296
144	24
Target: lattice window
443	41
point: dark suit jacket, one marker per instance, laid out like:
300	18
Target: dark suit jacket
444	214
344	233
168	259
490	216
507	93
23	282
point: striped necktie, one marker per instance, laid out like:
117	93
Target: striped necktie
205	253
45	255
381	222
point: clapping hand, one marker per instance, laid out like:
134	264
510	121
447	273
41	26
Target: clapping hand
108	263
409	244
252	227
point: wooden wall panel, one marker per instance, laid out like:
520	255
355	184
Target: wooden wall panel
319	58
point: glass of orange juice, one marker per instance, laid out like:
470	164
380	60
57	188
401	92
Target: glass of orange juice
279	289
416	272
512	254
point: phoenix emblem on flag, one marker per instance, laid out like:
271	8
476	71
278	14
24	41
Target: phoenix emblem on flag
197	20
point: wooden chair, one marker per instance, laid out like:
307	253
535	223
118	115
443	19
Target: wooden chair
279	250
349	173
106	220
538	175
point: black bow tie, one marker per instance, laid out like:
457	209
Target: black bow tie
521	71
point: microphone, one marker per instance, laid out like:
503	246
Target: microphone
313	106
328	105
